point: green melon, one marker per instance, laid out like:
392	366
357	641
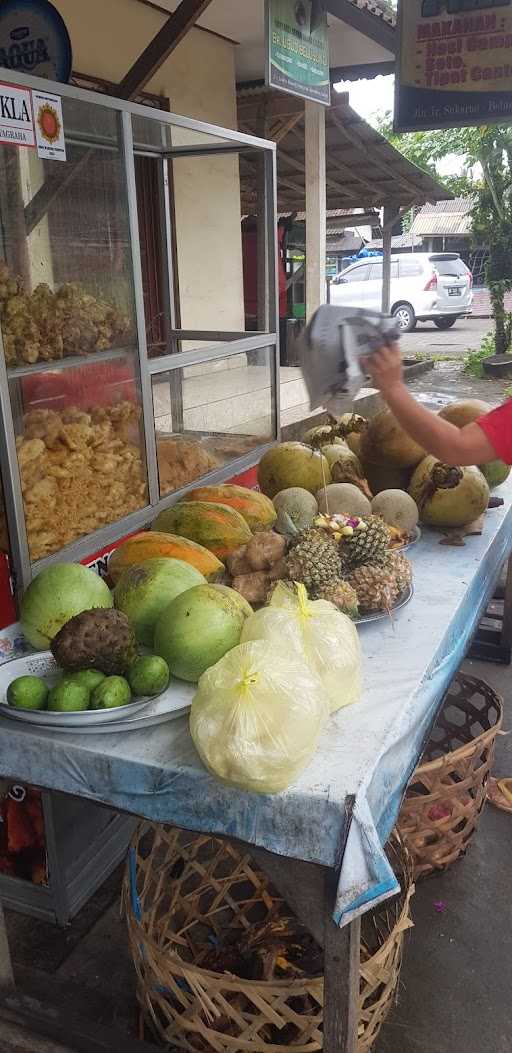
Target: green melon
198	628
144	591
55	596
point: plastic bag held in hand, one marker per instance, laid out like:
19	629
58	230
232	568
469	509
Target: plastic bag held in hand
256	717
332	348
317	630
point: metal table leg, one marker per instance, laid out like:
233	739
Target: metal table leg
6	973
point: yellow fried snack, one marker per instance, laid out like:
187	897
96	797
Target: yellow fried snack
78	473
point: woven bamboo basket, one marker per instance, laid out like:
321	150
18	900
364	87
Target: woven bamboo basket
195	906
446	794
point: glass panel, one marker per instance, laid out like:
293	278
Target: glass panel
157	135
209	414
66	282
213	202
80	451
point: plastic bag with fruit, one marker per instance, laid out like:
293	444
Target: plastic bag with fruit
326	637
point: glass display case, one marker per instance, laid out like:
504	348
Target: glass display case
138	355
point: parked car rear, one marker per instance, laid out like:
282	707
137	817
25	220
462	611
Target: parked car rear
425	286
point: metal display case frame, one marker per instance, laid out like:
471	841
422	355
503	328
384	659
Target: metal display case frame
222	345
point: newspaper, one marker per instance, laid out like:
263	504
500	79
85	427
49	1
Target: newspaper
332	348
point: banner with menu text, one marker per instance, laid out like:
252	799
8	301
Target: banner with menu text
455	63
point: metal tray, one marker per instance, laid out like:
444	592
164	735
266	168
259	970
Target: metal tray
377	616
414	541
43	664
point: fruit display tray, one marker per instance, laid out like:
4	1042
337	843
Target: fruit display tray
173	702
412	541
376	616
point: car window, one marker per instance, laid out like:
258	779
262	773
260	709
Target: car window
358	274
449	267
410	268
377	270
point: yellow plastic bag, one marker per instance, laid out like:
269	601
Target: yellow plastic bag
316	629
256	717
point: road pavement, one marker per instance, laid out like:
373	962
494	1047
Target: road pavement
426	339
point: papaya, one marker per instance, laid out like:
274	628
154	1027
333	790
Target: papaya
218	528
151	544
257	510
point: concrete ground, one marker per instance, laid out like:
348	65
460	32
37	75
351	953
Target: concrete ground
454	994
456	978
466	335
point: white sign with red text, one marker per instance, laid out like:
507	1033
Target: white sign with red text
49	126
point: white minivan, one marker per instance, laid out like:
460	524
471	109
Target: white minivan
425	286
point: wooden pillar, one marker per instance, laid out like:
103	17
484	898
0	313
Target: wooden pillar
316	245
387	233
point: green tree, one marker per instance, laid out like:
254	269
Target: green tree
486	176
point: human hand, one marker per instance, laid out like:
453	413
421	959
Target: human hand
385	367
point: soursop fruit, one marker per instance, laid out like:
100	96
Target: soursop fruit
96	639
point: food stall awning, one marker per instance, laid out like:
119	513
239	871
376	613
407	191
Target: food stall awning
363	170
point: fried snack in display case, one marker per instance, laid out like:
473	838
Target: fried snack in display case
80	470
45	326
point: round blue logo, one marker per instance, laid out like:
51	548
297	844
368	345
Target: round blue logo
34	39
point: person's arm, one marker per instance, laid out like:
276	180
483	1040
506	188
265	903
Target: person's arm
452	445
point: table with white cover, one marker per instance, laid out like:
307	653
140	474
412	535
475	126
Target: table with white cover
322	841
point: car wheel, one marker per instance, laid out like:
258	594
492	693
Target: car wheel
445	322
405	317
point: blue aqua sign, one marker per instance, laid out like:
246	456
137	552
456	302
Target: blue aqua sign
34	39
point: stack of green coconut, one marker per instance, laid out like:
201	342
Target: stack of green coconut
342	467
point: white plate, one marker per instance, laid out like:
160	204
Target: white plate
376	616
43	664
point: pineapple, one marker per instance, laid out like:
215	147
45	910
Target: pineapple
402	569
314	561
369	543
97	639
343	596
375	586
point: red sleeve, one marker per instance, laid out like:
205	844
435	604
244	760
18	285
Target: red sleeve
497	426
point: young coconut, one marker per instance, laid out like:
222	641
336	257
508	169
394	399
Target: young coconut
347	469
495	473
386	442
336	431
448	496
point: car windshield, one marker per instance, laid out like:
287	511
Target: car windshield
452	267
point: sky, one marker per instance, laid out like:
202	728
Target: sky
370	98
